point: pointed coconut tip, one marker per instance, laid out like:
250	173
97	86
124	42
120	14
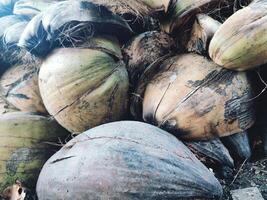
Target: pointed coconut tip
239	42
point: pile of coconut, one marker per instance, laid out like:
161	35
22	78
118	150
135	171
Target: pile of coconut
136	99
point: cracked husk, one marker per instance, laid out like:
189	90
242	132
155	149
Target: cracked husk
194	98
83	87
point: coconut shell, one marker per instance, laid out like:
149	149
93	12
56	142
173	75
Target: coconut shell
83	88
194	98
239	44
23	146
125	160
203	30
215	155
144	49
19	86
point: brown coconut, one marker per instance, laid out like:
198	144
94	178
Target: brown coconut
194	98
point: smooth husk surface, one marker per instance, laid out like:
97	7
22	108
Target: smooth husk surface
194	98
125	160
83	87
22	146
213	154
239	44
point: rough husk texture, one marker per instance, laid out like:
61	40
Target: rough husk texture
83	88
125	160
203	30
182	11
22	146
139	8
240	43
144	49
194	98
19	86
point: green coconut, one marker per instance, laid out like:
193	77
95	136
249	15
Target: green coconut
25	146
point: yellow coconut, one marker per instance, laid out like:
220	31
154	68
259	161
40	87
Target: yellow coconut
194	98
19	86
24	146
85	87
240	42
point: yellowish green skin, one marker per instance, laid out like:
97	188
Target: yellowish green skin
22	148
240	43
83	88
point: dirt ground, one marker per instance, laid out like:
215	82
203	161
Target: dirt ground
248	174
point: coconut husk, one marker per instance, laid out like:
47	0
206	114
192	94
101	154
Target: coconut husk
194	98
239	146
182	12
135	161
139	8
19	86
144	49
6	107
30	8
214	155
84	87
203	30
24	146
6	7
55	27
239	43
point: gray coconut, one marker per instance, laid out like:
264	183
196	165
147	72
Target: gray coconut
125	160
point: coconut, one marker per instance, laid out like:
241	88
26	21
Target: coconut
24	146
6	107
144	49
194	98
203	30
55	27
139	8
6	7
214	155
30	8
239	145
239	43
85	87
19	86
125	160
182	12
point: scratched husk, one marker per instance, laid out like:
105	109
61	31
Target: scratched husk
19	86
94	83
194	98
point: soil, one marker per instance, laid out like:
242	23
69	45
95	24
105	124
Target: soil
248	174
